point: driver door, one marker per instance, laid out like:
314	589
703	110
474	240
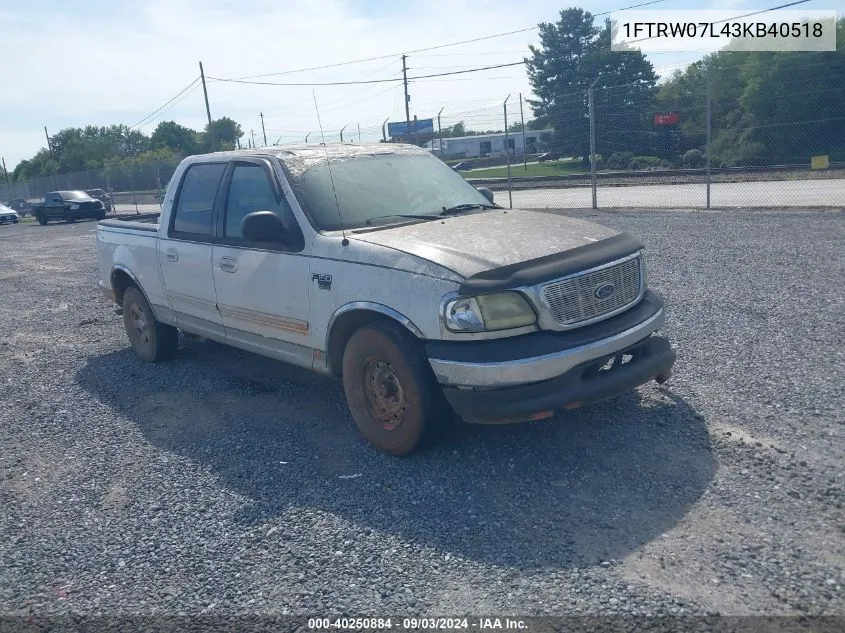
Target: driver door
262	289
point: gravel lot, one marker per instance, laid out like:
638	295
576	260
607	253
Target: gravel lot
222	482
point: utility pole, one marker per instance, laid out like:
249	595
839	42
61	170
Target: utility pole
252	136
407	96
263	131
522	121
8	182
49	144
207	109
52	157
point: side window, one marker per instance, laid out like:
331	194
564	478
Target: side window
194	208
250	190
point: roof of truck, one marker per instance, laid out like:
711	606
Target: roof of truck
298	158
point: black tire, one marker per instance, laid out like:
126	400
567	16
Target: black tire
390	388
101	215
42	219
152	340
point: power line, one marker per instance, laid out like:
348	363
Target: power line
168	102
428	48
171	106
367	81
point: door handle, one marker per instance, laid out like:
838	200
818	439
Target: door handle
172	255
228	264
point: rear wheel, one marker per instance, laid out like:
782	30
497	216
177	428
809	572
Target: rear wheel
152	340
390	389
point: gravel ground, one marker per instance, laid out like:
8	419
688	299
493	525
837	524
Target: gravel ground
222	482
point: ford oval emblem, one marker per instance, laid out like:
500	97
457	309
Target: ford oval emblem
605	291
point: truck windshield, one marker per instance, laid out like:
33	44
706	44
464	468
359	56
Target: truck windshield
74	195
383	187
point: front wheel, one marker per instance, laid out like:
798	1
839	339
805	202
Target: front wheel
152	340
390	389
42	220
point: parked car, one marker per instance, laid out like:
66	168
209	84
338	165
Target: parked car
425	298
69	206
102	196
548	156
8	215
462	166
20	205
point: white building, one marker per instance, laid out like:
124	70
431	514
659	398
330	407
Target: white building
491	144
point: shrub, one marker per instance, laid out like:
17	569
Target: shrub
693	158
620	160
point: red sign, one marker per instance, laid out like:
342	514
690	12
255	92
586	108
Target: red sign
669	118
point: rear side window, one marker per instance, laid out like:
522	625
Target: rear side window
195	206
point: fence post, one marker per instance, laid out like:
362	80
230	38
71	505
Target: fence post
593	142
707	149
440	133
108	188
132	186
522	123
508	154
158	186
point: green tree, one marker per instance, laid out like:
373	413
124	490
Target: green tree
574	53
169	134
225	134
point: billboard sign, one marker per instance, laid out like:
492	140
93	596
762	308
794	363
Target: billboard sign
667	118
401	128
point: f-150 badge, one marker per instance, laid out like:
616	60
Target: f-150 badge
324	282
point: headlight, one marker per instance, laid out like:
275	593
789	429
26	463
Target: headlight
74	207
499	311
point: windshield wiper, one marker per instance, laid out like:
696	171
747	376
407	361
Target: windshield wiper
413	216
460	208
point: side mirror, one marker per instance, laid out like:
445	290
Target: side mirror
263	226
487	193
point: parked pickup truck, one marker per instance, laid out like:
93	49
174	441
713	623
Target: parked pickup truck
69	206
381	265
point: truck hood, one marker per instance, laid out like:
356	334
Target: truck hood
477	242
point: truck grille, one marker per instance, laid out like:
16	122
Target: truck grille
575	299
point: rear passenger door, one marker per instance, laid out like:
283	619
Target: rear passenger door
185	254
262	289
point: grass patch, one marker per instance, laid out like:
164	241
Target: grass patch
535	170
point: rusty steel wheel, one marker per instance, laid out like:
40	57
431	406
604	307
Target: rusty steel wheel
391	391
385	396
151	339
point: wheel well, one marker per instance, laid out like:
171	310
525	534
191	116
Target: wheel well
343	328
120	281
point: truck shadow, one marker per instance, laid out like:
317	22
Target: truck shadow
587	486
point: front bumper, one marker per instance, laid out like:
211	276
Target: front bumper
508	380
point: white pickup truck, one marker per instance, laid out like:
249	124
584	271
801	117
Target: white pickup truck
381	265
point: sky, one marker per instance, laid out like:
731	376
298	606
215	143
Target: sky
105	62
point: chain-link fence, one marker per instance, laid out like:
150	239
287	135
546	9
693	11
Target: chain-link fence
704	140
133	186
